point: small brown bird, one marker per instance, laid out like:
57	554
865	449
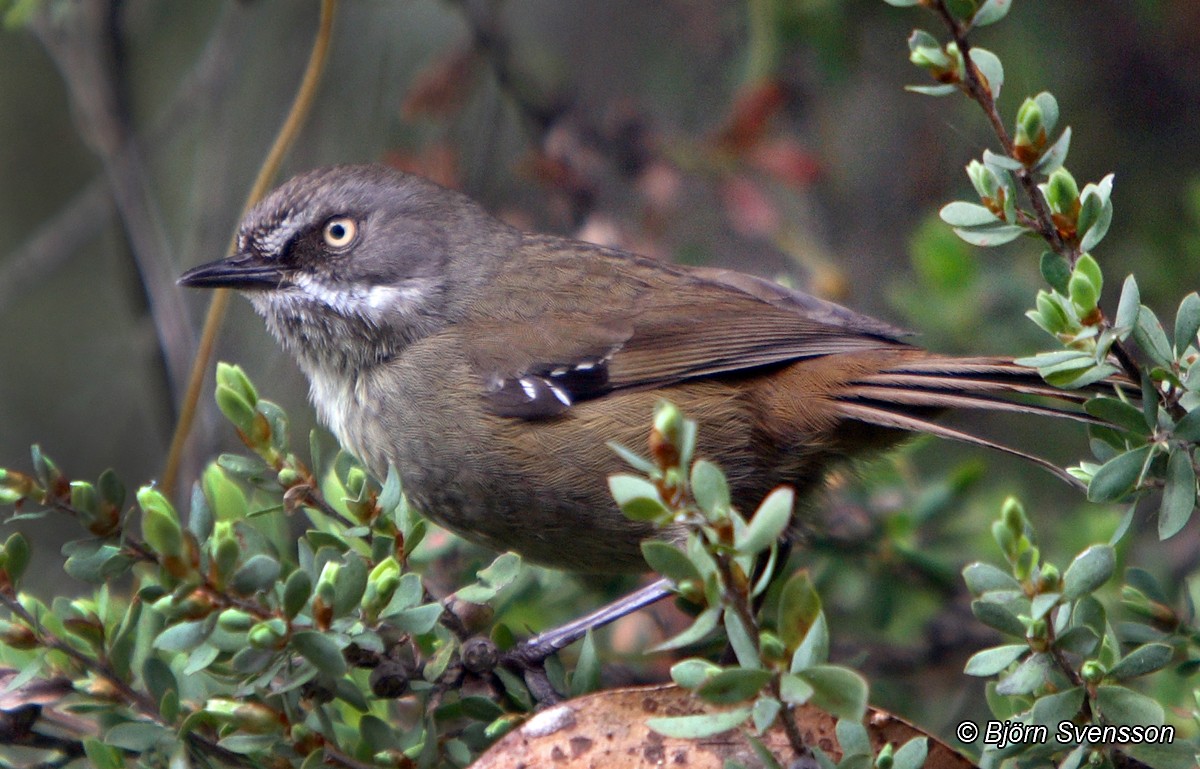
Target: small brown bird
491	366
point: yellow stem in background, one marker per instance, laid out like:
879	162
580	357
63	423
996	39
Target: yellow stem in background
220	300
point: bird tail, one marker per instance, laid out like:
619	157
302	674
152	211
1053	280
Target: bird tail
911	394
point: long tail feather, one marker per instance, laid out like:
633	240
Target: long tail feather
884	418
910	394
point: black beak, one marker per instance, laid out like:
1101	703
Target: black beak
240	272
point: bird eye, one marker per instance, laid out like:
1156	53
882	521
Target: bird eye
340	232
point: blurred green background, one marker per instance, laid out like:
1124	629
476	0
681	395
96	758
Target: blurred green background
771	136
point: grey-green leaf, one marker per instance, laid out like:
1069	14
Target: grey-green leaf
710	488
1090	569
913	753
1187	322
321	651
996	616
963	214
734	685
1129	305
769	522
258	573
1142	660
698	726
989	662
837	690
1117	476
1053	709
1151	338
669	561
1028	676
983	578
1179	494
1119	705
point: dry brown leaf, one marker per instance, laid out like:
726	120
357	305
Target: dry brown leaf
607	730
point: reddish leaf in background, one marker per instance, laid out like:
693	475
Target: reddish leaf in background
437	161
787	161
752	110
440	89
750	211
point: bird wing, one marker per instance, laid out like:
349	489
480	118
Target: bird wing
538	353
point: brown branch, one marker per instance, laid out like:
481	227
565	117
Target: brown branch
1043	223
86	46
62	236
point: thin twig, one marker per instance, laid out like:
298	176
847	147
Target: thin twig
1043	222
220	300
130	696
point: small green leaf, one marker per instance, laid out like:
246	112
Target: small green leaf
930	90
1129	305
1149	335
1056	270
1090	569
814	649
705	622
710	488
136	736
913	753
160	522
693	672
769	522
1187	322
497	576
765	711
1119	705
989	12
321	651
1188	428
1026	679
1118	476
1117	412
260	572
633	459
734	685
184	636
1054	709
989	235
637	497
418	620
587	670
699	726
1179	494
794	690
1141	661
350	585
853	738
102	756
984	578
799	608
296	592
837	690
739	638
1053	158
963	214
990	67
669	561
996	616
989	662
